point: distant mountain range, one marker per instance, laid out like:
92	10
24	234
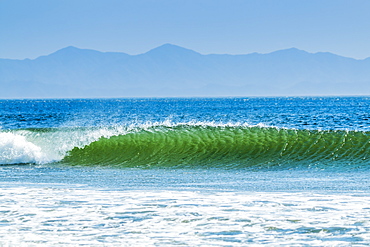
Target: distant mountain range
170	70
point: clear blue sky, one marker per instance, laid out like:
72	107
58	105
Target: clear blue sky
30	28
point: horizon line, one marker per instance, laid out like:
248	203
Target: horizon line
181	47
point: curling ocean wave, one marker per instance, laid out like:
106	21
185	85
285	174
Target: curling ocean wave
192	145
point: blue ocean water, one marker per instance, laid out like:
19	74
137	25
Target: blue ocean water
289	171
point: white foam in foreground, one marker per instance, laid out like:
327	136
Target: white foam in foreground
89	217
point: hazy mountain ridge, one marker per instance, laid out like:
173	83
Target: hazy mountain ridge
171	70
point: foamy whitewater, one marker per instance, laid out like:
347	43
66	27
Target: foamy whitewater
190	172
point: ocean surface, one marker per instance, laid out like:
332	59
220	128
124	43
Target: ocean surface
287	171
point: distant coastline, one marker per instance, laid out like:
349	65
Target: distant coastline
174	71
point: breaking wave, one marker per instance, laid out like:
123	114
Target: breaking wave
186	145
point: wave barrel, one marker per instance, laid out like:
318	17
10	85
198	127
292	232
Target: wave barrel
227	147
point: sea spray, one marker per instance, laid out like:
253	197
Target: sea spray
46	145
16	149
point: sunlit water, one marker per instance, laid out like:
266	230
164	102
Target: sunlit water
297	201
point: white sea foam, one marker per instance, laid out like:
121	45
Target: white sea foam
36	216
16	149
170	123
25	146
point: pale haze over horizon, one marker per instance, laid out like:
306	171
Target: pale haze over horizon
29	29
